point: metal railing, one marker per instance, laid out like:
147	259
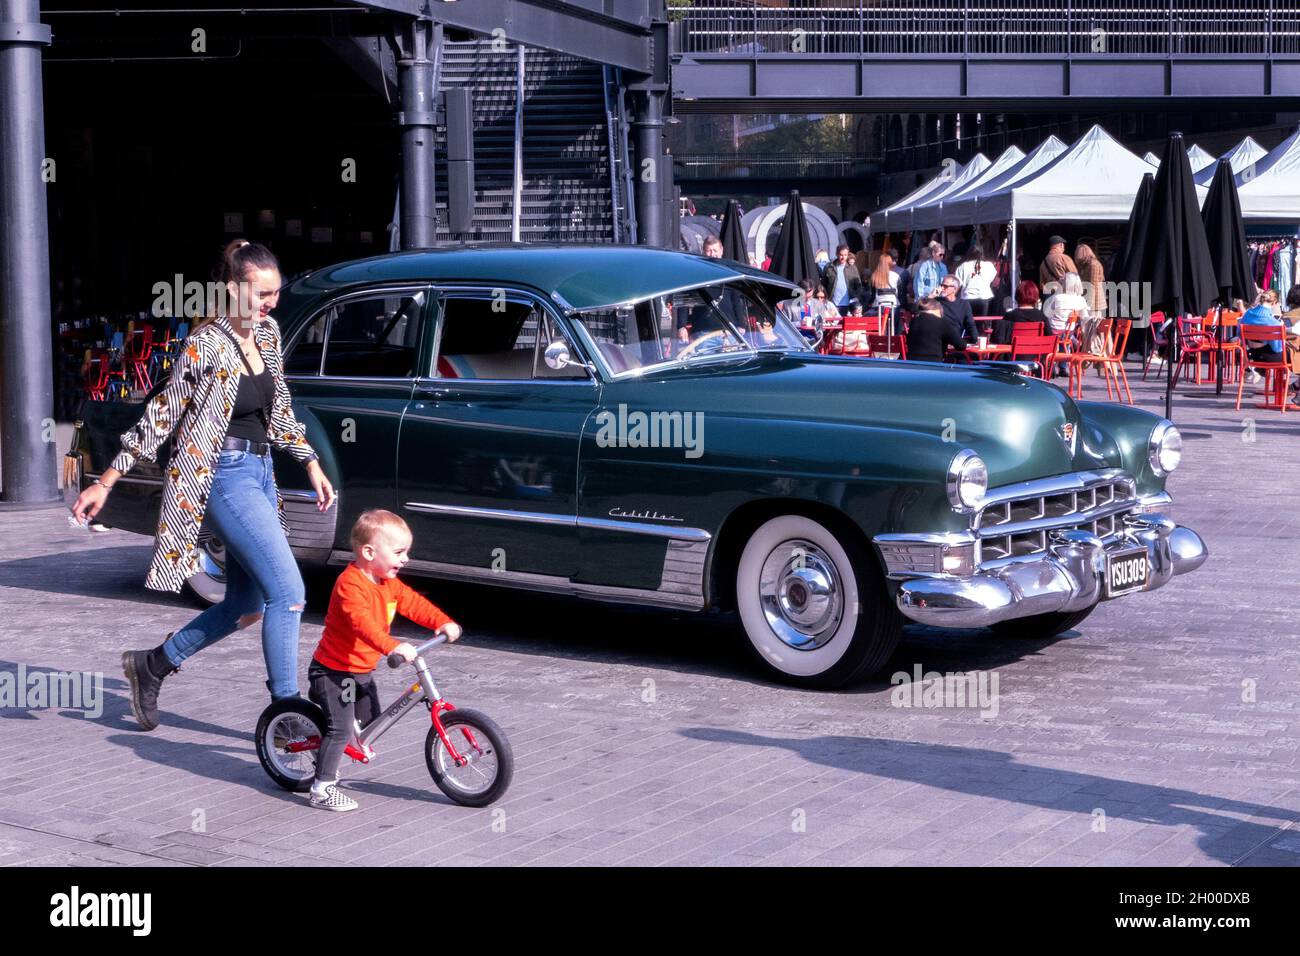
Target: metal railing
769	165
991	27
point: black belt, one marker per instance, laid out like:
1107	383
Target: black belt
243	444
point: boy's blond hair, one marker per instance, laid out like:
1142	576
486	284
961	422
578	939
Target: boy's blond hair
371	523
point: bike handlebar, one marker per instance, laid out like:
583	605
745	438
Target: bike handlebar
397	660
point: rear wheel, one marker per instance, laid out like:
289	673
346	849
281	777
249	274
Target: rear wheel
284	731
207	586
1041	625
814	605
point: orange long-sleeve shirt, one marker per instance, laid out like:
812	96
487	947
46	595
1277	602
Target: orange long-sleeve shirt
360	615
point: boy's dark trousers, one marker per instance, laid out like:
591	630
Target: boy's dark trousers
343	696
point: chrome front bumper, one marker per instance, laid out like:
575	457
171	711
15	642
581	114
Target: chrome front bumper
1068	577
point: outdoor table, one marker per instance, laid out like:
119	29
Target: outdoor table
988	352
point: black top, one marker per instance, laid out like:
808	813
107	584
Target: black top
928	335
1007	324
960	317
248	418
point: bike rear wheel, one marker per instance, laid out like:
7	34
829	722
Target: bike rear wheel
489	765
285	725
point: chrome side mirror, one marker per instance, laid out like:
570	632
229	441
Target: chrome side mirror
557	356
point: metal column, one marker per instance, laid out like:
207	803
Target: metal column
417	80
27	466
517	190
648	174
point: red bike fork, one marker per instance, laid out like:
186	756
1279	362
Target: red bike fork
435	709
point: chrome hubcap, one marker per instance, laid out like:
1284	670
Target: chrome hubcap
801	595
210	580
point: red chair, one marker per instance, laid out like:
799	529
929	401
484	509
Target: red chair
138	351
860	327
1275	366
96	374
1158	339
1229	350
881	345
1194	342
1032	347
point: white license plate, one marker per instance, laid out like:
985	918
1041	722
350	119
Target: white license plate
1126	571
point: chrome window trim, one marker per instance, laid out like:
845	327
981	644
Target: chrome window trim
545	582
368	292
538	517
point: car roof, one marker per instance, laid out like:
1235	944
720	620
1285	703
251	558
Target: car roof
576	276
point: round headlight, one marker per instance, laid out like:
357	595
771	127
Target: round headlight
1165	449
968	480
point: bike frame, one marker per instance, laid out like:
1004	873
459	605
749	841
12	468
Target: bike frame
423	690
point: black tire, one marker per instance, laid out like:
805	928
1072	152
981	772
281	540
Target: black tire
271	725
485	731
1041	625
854	643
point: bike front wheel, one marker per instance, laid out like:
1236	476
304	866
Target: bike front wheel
284	737
486	764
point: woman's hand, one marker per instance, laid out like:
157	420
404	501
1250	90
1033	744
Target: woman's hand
325	496
88	503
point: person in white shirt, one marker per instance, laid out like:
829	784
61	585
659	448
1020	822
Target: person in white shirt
976	276
1069	298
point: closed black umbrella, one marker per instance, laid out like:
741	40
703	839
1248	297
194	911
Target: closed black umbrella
733	235
1136	223
794	256
1171	252
1226	234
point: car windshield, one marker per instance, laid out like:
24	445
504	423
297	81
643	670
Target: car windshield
687	325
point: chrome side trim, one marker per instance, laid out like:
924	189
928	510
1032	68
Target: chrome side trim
545	582
535	517
641	527
529	517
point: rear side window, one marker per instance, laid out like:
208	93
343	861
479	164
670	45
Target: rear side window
366	336
496	339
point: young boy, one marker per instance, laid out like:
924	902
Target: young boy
365	598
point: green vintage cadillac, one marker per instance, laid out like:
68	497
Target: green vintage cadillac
642	426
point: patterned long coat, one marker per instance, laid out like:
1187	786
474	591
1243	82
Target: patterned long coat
205	376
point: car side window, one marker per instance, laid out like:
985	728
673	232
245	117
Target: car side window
490	338
367	336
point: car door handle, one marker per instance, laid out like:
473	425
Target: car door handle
430	391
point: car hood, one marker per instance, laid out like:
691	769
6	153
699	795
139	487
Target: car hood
1015	423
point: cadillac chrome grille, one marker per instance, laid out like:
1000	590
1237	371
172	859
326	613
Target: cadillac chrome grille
1017	520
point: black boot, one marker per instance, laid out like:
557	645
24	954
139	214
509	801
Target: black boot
145	671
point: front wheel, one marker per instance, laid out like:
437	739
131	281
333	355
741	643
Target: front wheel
487	763
284	736
814	605
1041	625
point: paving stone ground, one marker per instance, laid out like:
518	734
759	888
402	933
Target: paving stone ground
1164	731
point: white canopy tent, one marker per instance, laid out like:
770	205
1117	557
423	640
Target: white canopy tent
1199	158
880	220
965	211
1094	180
930	215
904	219
1270	187
1240	156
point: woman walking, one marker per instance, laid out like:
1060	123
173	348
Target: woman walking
225	405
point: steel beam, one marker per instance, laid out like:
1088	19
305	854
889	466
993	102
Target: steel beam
614	32
27	466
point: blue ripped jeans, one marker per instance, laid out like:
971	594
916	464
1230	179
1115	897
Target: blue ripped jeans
261	574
